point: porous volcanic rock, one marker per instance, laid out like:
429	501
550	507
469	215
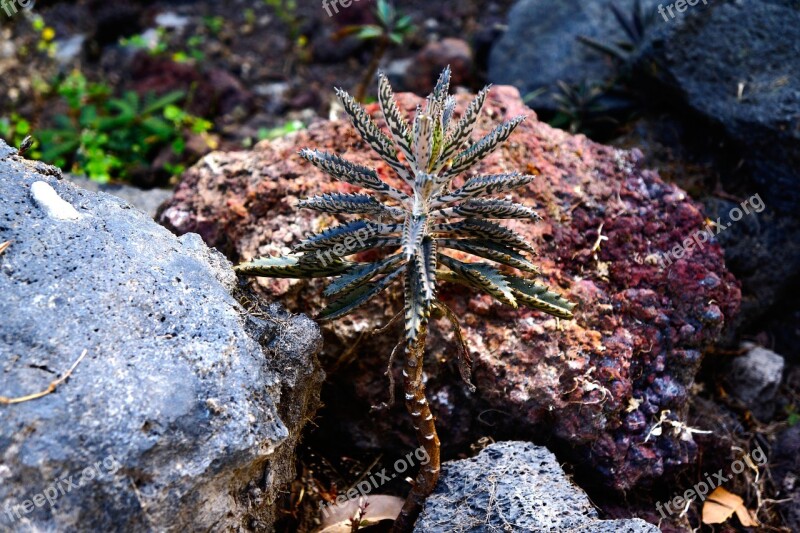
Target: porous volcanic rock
514	486
186	409
598	384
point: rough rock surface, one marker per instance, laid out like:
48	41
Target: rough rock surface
427	64
763	250
751	92
186	409
514	486
785	464
598	383
541	45
754	379
145	200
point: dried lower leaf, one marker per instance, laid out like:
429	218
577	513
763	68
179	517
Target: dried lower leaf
721	505
336	519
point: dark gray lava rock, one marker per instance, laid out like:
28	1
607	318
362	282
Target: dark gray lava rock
541	45
736	64
185	411
513	486
785	466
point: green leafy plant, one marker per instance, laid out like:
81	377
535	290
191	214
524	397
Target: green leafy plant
580	108
392	28
635	26
104	137
286	11
14	129
424	221
156	47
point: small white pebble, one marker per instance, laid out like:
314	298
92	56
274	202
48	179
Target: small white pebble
49	200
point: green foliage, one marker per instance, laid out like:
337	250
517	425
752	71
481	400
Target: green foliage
280	131
155	48
634	26
14	129
161	45
391	24
214	24
580	108
415	227
105	137
792	415
286	11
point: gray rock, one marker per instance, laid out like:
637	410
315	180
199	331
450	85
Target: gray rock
513	486
754	379
541	48
144	200
735	64
763	251
785	470
186	409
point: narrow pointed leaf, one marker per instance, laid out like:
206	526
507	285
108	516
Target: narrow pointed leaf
357	204
485	229
539	297
357	297
490	250
463	130
484	186
423	141
401	131
337	251
292	267
372	134
480	208
350	234
483	277
361	274
485	146
351	173
442	87
447	113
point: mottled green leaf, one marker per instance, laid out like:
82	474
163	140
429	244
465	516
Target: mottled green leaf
488	208
484	186
361	274
351	173
357	297
490	250
355	204
292	267
485	146
536	296
483	277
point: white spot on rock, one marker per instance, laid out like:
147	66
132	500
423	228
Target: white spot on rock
49	200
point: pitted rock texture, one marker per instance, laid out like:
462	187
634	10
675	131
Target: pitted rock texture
751	93
514	486
185	411
598	383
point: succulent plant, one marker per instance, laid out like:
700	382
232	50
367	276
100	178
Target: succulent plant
416	226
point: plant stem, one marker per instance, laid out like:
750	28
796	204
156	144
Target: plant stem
420	412
380	50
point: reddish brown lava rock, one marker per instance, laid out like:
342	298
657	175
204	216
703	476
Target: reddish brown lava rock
599	384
